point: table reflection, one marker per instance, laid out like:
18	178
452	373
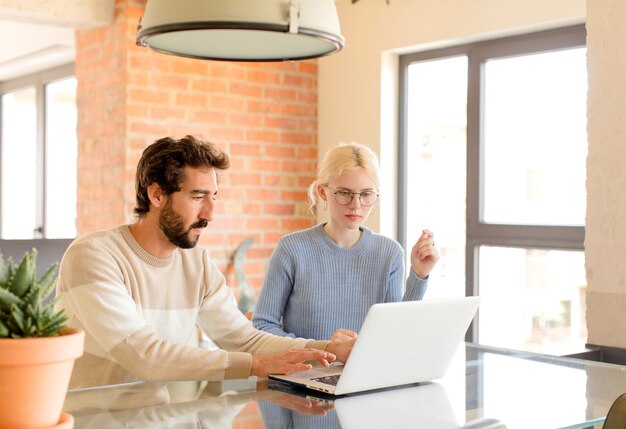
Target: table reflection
484	388
425	405
219	405
163	405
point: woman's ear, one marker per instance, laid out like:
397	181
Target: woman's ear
321	190
156	195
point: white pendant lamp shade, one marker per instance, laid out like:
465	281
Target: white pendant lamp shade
241	30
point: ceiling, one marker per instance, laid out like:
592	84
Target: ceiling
39	34
33	47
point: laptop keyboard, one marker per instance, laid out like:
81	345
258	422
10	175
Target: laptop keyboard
328	379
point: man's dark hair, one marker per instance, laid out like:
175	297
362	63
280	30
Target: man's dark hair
164	162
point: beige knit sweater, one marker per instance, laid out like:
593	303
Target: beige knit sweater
139	313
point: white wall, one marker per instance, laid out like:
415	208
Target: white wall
357	86
605	230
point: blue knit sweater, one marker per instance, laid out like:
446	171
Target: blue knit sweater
313	287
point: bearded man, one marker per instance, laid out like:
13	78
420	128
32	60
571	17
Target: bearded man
139	290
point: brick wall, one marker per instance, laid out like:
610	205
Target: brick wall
263	114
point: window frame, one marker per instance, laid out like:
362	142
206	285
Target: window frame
38	80
479	233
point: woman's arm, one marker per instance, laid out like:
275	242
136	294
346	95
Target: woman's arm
275	294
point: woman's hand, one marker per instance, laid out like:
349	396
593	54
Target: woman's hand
343	335
341	349
424	254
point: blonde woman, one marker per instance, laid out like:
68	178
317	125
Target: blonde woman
326	277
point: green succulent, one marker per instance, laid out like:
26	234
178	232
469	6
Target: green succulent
25	310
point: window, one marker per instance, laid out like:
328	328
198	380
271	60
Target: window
492	154
38	151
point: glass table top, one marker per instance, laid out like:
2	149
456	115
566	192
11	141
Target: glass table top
484	388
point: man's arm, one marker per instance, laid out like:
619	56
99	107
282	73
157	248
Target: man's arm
119	339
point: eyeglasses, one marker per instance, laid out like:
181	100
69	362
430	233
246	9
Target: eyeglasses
345	197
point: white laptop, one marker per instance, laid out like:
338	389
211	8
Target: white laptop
399	343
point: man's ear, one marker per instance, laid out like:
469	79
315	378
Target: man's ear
156	195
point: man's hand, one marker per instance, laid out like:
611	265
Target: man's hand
290	361
341	349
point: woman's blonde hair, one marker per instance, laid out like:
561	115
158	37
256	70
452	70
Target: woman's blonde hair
340	159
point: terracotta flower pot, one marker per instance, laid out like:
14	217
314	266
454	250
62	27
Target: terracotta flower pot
34	377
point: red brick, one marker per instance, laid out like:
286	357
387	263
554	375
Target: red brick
165	113
209	116
307	96
261	194
169	81
300	110
257	252
246	179
257	267
281	122
296	224
298	195
226	133
147	127
300	81
226	102
262	224
246	119
262	136
260	106
301	138
248	150
184	66
246	89
282	180
210	85
309	67
148	96
306	180
281	94
279	209
253	209
307	154
280	151
189	98
266	165
297	166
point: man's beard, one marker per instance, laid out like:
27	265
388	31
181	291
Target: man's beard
173	226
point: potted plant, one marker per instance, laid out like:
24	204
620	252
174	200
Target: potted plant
246	294
37	349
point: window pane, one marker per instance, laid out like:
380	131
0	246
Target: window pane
535	119
61	152
19	164
532	299
436	160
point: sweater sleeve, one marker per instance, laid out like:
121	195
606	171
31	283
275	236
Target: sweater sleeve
415	287
275	292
